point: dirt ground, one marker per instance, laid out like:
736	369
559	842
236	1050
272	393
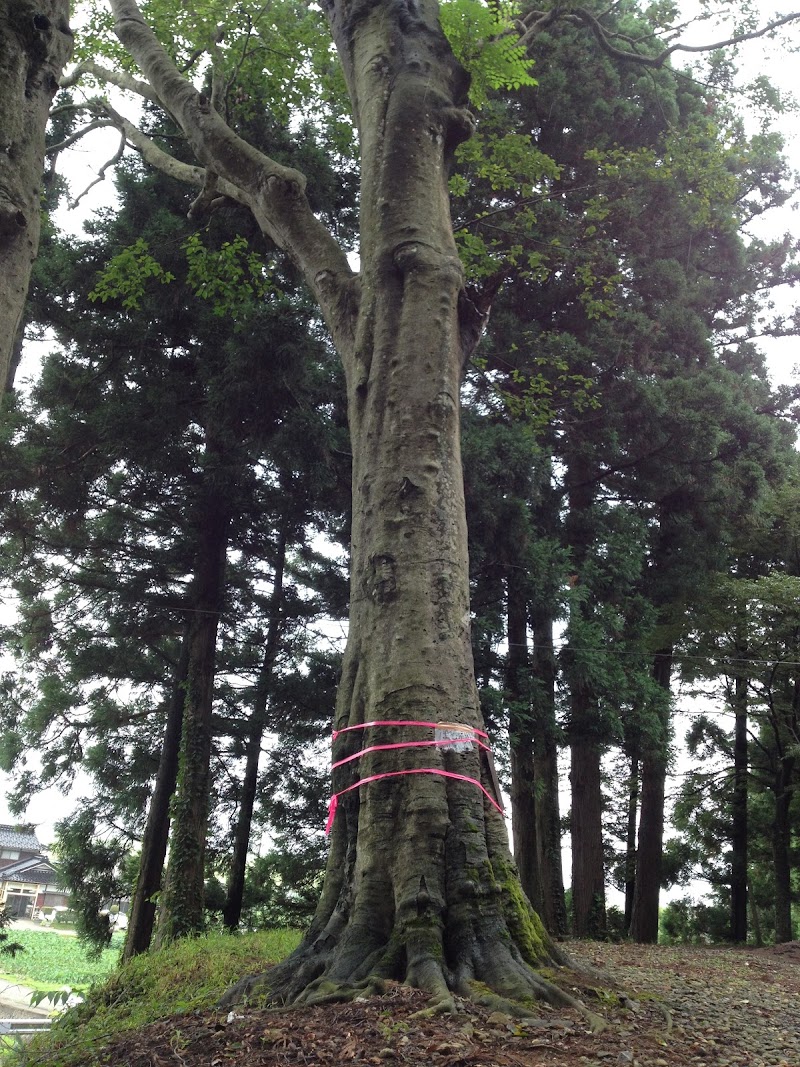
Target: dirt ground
677	1007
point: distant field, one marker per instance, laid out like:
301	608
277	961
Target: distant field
54	960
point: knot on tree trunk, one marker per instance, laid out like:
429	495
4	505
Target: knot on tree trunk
12	219
417	256
459	126
383	577
290	186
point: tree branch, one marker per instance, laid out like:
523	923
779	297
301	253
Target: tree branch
95	124
534	22
120	78
107	116
274	193
101	174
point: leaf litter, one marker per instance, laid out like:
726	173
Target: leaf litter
665	1006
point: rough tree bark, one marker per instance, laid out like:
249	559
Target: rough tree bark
420	883
35	45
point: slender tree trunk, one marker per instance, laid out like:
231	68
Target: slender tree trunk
545	774
586	814
739	840
258	721
586	826
35	45
181	910
655	755
520	723
755	918
781	843
154	843
630	840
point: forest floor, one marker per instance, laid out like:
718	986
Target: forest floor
680	1006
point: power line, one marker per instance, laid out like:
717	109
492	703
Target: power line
680	656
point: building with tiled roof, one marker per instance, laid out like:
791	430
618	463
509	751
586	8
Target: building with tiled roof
28	880
19	839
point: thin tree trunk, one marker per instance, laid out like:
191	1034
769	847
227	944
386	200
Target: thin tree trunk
755	918
232	910
586	815
156	835
630	840
781	843
545	774
182	900
739	839
649	854
523	785
586	825
35	45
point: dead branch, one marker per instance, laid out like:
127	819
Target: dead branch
101	174
95	124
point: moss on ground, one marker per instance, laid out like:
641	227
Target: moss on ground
186	976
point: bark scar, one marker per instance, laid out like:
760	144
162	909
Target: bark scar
384	578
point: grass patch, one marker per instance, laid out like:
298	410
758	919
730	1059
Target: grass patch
189	975
52	960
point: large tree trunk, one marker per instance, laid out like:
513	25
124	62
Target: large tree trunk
739	840
35	45
232	910
420	884
649	854
156	835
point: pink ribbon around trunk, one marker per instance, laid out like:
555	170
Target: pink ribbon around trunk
334	801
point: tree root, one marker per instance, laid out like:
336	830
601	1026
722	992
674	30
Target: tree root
441	1004
504	983
521	1008
327	991
667	1016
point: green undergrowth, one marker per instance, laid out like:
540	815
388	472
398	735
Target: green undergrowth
187	976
